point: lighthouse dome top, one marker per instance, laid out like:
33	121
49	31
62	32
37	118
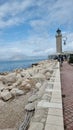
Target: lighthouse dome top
58	31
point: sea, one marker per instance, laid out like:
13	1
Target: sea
8	66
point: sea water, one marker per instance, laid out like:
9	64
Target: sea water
12	65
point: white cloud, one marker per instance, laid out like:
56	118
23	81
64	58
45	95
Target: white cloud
42	16
13	12
32	46
48	13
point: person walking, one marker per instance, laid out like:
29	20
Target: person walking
60	59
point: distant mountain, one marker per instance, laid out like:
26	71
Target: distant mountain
24	57
20	56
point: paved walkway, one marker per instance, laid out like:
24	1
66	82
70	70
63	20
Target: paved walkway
67	91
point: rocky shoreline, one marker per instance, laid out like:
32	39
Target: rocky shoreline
18	89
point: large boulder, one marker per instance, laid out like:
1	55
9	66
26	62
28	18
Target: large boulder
17	83
38	76
25	86
25	74
17	92
28	87
23	83
9	79
33	98
6	95
2	87
18	76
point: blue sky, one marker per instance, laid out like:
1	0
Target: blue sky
28	27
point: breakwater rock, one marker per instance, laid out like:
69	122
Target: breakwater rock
20	89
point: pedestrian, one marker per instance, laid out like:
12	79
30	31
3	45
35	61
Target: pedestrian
60	59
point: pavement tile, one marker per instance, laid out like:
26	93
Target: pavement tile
56	112
56	100
53	127
53	90
54	120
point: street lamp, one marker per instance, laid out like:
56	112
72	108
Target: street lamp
64	40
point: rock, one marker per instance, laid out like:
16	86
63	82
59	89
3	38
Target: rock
48	75
18	76
33	98
27	80
36	126
2	88
17	92
23	83
51	71
30	107
18	82
38	76
13	91
46	97
38	85
9	79
34	64
6	95
25	74
25	86
9	88
43	71
28	87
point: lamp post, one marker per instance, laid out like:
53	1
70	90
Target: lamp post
64	40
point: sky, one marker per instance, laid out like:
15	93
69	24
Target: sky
28	27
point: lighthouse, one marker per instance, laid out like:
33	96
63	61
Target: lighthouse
58	41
